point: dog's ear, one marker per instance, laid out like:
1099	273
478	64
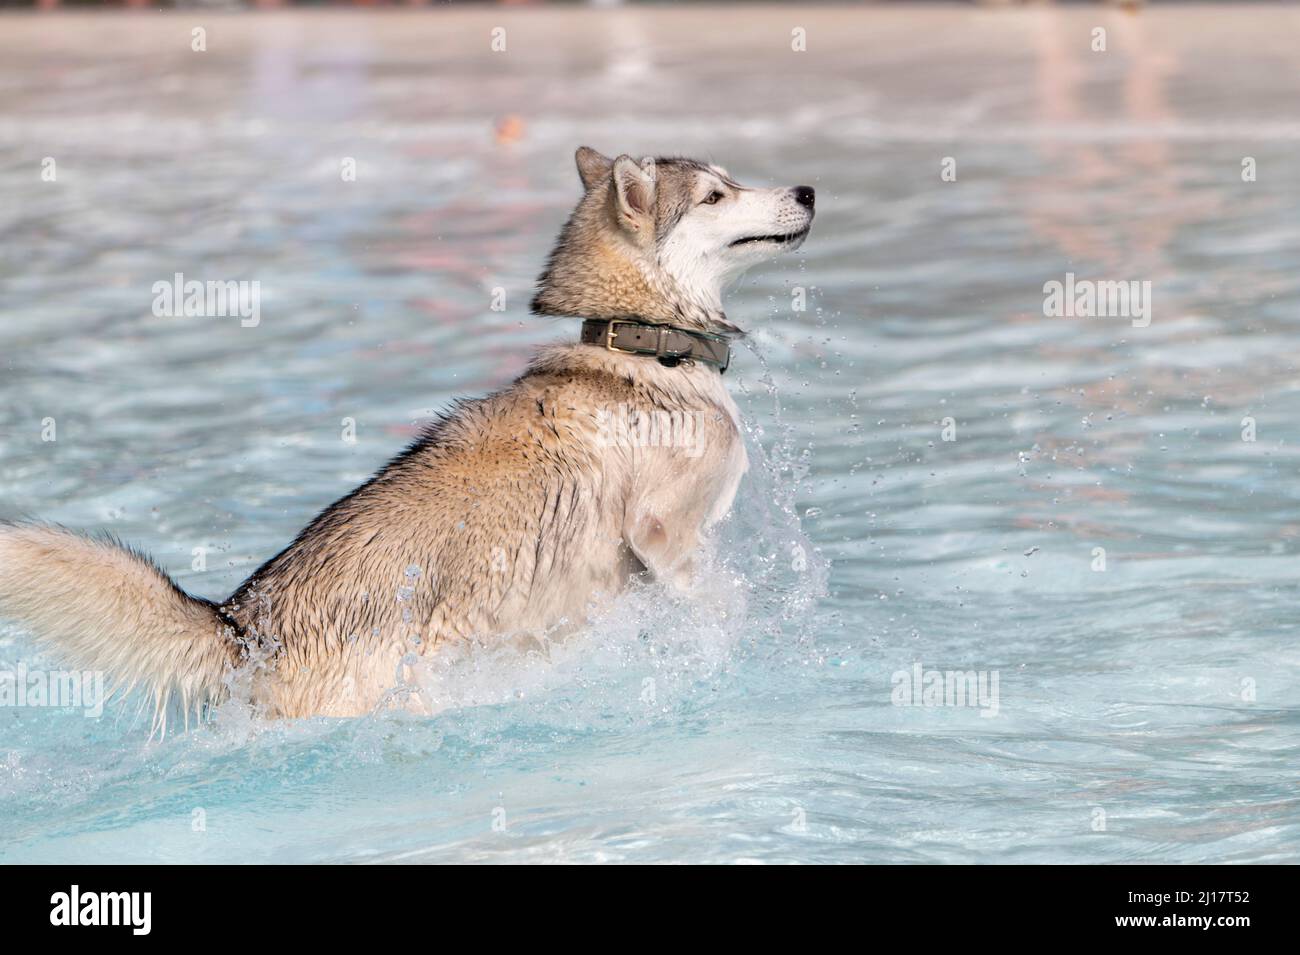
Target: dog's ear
634	192
592	166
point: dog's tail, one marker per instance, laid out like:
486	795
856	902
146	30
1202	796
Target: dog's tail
105	607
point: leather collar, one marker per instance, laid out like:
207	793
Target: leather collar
669	344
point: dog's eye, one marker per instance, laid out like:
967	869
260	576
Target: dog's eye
712	198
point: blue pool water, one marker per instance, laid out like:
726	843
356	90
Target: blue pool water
1146	693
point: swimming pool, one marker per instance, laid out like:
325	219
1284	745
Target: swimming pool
946	480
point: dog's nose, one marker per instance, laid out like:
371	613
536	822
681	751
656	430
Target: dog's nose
805	196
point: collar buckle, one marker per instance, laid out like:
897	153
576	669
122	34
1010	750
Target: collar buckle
652	340
611	331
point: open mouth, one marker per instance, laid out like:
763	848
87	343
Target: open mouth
777	239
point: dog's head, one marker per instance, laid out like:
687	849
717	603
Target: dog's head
661	238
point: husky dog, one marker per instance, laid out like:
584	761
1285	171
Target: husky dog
515	515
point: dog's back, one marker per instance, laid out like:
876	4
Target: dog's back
504	518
